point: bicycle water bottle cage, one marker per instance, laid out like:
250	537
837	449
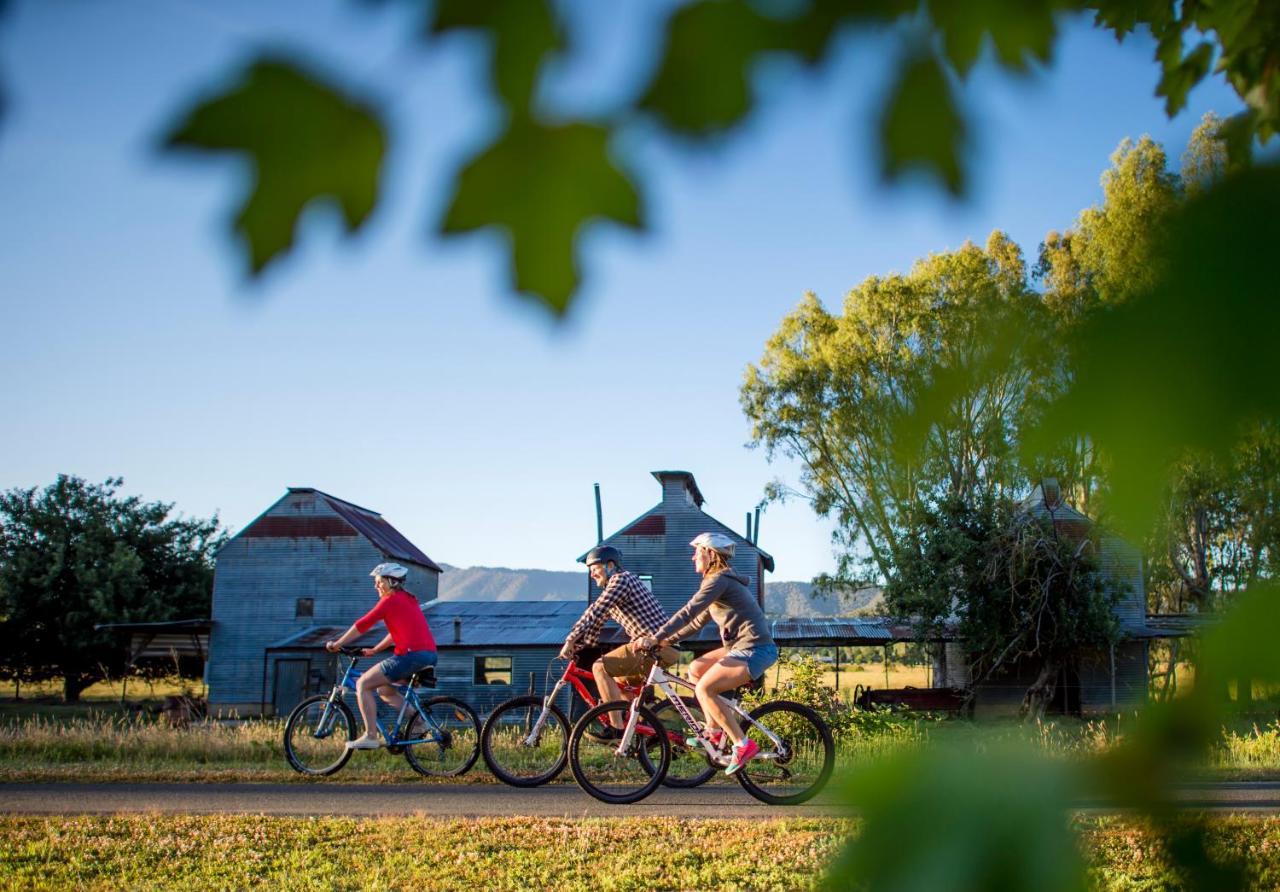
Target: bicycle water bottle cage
423	678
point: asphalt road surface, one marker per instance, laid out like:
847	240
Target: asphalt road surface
557	800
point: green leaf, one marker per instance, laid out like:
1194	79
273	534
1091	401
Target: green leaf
1183	74
524	33
947	819
306	141
542	184
921	126
1121	16
1018	28
702	85
1184	365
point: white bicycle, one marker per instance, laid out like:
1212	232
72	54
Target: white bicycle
797	752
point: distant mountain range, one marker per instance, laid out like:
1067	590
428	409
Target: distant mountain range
505	584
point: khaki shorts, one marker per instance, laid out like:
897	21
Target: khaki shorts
622	663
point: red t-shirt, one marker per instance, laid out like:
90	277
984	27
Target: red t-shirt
404	619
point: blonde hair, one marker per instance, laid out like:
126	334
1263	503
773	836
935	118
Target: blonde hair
716	562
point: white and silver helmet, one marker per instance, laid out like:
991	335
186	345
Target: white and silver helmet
390	570
717	542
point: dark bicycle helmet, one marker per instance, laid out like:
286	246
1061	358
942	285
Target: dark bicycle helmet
604	553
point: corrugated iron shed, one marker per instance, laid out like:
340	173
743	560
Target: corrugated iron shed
479	624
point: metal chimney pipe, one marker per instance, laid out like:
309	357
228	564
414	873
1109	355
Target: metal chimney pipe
756	540
457	629
599	518
749	526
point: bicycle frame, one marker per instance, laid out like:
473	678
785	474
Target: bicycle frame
576	677
668	684
408	695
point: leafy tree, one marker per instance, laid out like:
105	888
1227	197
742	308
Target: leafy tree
834	392
1019	592
75	555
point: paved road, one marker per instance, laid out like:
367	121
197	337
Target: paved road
556	800
476	800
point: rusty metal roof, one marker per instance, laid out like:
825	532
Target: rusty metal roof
375	528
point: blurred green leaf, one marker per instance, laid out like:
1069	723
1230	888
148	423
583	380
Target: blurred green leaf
950	819
542	184
1018	29
524	33
1186	364
1182	73
306	142
921	126
703	82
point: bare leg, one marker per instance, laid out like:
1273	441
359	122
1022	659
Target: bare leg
368	683
724	676
605	684
697	669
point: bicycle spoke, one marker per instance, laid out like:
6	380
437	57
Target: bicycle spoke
795	771
608	772
316	735
516	750
450	735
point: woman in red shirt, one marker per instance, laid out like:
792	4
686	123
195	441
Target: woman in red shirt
407	629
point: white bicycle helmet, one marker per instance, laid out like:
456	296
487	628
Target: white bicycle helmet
717	542
394	571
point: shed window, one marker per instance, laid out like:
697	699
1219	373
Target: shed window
647	582
304	607
493	670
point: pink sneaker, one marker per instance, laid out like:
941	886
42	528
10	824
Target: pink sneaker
742	754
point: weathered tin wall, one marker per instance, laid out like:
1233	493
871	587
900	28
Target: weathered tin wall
298	548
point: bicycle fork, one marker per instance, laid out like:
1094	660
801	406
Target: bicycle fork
531	739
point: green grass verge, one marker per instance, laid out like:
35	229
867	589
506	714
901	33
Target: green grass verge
112	744
221	852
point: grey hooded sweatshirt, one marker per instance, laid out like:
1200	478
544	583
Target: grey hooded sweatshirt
725	598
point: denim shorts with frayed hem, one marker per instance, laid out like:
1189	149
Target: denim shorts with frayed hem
758	658
401	666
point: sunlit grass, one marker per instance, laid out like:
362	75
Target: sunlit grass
241	851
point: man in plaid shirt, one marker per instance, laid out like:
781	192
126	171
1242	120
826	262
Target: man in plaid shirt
626	600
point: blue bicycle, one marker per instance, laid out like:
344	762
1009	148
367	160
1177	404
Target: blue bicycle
440	736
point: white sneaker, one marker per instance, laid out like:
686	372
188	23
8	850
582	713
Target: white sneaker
364	742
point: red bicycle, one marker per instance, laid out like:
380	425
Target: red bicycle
525	740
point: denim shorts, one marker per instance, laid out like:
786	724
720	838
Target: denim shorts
401	666
758	658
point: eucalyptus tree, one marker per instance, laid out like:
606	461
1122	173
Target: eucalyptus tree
836	392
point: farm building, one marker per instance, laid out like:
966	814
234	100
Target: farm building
655	546
303	563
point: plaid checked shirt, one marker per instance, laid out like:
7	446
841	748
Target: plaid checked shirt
626	600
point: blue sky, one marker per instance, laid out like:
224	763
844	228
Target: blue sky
398	371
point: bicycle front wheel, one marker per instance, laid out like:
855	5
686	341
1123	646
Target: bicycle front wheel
608	773
689	766
515	752
449	735
316	735
796	770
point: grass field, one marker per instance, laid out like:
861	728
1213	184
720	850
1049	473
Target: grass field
222	852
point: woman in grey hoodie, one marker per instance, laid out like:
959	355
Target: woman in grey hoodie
747	647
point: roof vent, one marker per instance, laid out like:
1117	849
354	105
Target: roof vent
457	629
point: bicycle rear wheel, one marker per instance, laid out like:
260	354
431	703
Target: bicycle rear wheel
316	735
689	765
798	769
607	774
450	735
512	754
